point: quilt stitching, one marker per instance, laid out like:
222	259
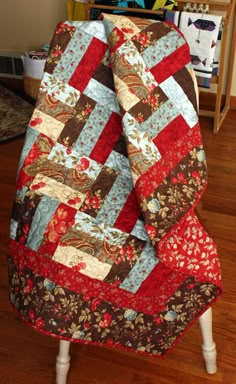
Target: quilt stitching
105	246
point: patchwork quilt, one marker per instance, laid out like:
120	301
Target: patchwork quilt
105	247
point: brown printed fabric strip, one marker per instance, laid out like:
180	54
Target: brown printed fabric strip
103	75
16	209
25	217
154	32
104	181
53	107
128	74
184	79
120	146
75	125
83	241
59	43
64	313
141	23
174	197
147	106
118	273
78	180
98	191
132	250
71	131
91	245
47	168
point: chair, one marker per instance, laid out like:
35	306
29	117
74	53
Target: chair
208	350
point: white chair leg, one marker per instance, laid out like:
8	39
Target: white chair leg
62	362
208	345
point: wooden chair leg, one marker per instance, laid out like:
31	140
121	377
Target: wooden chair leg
208	345
62	362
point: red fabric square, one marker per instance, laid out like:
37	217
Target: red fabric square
119	41
62	219
129	214
149	181
107	139
174	131
171	64
88	64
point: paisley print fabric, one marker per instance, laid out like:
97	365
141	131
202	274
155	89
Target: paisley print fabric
105	246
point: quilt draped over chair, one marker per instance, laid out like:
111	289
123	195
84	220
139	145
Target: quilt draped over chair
105	247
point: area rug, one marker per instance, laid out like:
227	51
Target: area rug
15	113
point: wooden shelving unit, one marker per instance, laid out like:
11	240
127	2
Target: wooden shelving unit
220	111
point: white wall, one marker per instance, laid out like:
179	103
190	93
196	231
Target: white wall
26	24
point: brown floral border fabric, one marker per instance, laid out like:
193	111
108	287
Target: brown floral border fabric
60	312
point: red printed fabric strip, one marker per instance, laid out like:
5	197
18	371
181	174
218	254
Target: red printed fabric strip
60	222
120	40
150	180
88	64
147	301
162	279
36	152
59	43
174	131
129	214
188	247
104	146
171	64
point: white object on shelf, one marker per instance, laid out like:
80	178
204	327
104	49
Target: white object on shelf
33	68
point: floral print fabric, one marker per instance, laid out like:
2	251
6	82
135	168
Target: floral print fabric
105	247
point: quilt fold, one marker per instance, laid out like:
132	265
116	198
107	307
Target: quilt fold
105	246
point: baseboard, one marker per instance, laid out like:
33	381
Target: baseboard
15	84
232	102
208	101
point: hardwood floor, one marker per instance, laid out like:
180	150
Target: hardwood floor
27	357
